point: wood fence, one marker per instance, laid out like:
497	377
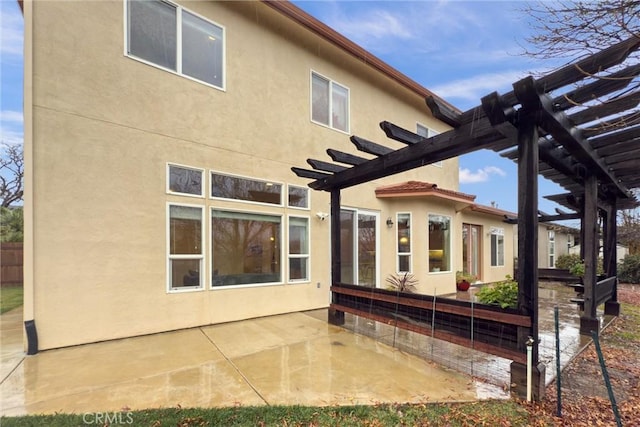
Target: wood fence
11	264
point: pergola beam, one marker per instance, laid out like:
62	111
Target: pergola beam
558	125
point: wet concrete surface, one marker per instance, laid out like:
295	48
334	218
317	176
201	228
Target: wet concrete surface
295	358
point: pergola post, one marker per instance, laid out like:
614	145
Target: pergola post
588	320
611	307
335	317
528	255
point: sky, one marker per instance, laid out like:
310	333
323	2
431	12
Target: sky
460	50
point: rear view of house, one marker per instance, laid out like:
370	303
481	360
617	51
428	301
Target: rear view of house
159	141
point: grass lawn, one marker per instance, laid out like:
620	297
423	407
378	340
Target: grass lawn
488	413
10	298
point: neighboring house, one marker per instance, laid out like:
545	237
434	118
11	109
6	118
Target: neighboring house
621	251
159	141
555	240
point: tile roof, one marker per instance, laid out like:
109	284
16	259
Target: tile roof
421	188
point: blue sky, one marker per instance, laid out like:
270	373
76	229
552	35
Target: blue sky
461	50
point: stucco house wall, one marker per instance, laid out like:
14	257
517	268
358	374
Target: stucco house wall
101	128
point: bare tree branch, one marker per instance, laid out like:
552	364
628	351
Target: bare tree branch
11	174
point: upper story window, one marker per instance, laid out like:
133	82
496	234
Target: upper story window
329	103
427	133
247	189
169	36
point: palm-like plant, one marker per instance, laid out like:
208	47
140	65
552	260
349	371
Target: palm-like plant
403	282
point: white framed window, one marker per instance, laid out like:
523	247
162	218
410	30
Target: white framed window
168	36
329	103
246	248
232	187
298	197
426	132
185	180
497	247
439	243
552	249
299	249
403	242
185	234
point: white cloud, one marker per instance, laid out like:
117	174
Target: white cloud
11	35
11	116
11	125
10	136
480	175
371	26
475	87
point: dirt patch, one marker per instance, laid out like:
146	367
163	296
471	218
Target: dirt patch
585	399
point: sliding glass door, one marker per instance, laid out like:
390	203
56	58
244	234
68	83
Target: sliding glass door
359	247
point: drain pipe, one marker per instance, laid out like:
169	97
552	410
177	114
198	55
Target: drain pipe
529	344
32	337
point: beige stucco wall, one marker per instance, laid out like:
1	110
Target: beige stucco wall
105	126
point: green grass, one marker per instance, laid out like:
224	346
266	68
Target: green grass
10	298
488	413
631	316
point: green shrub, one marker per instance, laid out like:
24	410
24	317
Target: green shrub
568	261
629	269
574	264
504	293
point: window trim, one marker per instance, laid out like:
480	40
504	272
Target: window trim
430	133
450	248
307	255
283	192
169	256
331	83
178	70
308	207
398	253
175	193
283	255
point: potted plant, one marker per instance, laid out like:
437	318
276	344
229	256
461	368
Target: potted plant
464	280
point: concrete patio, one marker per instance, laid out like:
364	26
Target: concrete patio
289	359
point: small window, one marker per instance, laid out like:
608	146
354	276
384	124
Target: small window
250	190
427	133
185	180
497	247
439	243
246	248
329	103
552	249
298	249
185	247
298	197
403	224
167	35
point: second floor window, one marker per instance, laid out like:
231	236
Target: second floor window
329	103
427	133
168	36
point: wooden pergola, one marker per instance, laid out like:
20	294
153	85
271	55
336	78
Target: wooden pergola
578	126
